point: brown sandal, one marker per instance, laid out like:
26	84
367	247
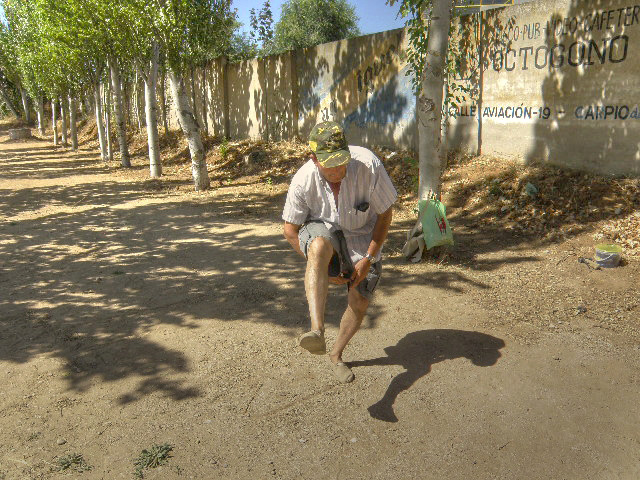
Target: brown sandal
313	341
342	372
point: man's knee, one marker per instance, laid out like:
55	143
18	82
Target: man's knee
320	249
357	302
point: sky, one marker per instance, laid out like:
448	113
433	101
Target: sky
374	15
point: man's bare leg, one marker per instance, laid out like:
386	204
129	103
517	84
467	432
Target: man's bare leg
349	324
316	285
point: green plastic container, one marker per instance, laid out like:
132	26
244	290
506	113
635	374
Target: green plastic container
608	255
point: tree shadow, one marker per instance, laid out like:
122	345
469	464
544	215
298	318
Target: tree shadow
245	83
418	351
90	282
42	167
476	38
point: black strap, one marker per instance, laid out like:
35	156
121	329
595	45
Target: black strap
346	266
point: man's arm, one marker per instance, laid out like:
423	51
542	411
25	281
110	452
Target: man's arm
380	231
291	234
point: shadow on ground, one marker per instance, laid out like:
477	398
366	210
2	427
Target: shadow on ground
418	351
85	281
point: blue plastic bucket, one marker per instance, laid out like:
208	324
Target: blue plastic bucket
608	255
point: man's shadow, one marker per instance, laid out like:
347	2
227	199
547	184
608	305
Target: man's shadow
419	350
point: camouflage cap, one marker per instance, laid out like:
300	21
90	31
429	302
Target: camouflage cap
328	142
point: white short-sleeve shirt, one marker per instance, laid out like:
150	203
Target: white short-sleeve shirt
366	181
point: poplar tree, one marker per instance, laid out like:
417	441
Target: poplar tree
190	32
10	70
71	51
428	56
45	66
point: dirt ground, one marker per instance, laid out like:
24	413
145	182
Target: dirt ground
136	313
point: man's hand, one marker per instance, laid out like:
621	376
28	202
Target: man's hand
338	280
360	271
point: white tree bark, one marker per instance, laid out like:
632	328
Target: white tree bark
142	107
191	130
41	114
8	101
99	124
163	99
25	105
65	120
126	94
151	109
107	119
430	100
125	160
194	104
54	121
138	108
73	122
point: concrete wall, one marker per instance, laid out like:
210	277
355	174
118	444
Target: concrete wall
246	84
281	102
561	87
362	84
359	82
215	97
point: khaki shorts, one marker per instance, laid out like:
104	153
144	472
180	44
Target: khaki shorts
310	230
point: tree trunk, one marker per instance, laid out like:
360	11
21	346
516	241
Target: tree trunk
127	100
151	108
99	124
65	121
107	118
8	101
163	99
141	104
204	106
73	123
120	122
91	104
193	93
54	121
25	106
481	55
41	114
430	100
191	130
136	103
85	106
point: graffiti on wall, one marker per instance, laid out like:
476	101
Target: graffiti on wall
592	38
569	41
546	112
507	112
329	111
391	105
578	53
373	93
366	80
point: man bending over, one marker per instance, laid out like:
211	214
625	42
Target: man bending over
337	215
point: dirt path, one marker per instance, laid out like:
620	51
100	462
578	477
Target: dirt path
131	316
